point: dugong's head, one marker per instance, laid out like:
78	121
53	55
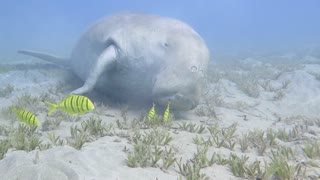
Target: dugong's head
180	80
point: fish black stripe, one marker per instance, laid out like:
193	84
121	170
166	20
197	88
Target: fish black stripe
22	115
71	104
151	113
32	120
31	116
65	104
77	103
28	117
87	104
81	104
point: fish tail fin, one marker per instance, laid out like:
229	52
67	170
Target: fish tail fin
13	109
52	107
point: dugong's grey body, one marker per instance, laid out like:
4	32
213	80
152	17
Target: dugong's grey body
141	56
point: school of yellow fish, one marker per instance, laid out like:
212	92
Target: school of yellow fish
76	104
73	104
166	114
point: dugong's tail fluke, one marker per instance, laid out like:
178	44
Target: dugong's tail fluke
46	57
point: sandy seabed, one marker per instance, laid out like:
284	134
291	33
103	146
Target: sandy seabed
257	119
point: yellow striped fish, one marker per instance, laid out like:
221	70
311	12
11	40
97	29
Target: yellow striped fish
166	113
73	104
26	117
152	112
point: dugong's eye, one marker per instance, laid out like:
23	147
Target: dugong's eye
194	68
165	44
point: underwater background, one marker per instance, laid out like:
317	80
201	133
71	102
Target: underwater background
228	27
257	117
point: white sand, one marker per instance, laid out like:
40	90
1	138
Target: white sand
104	158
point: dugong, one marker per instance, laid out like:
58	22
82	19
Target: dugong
139	56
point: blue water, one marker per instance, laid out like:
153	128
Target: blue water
227	26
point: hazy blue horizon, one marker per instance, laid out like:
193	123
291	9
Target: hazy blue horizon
226	26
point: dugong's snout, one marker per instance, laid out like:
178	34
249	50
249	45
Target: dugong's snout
177	100
183	95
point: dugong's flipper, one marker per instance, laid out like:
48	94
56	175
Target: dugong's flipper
105	60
